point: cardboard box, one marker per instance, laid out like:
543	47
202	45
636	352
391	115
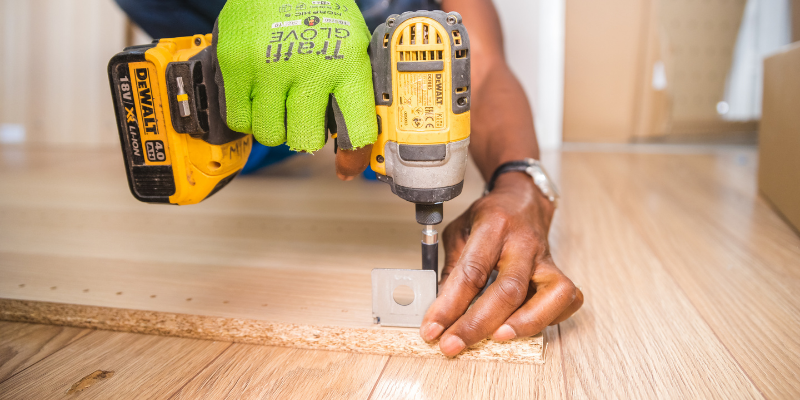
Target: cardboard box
611	51
779	137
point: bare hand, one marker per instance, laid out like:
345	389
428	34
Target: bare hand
505	230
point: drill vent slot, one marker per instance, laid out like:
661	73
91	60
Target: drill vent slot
457	38
385	40
430	55
419	34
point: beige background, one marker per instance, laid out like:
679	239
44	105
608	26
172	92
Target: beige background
611	49
53	69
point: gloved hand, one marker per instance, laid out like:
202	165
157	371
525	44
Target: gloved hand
280	63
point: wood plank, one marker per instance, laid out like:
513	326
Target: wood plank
260	372
638	335
405	342
748	255
143	367
268	252
410	378
22	345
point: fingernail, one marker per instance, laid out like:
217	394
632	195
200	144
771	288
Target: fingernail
431	331
452	345
504	333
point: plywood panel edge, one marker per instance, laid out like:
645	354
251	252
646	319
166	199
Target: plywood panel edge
378	341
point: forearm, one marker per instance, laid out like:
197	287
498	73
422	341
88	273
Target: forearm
502	122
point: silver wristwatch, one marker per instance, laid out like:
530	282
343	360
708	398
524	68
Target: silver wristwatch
536	171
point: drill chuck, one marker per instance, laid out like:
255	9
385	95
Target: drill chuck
429	214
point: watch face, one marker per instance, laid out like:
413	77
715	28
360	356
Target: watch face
542	181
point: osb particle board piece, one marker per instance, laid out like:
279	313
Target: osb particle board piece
378	341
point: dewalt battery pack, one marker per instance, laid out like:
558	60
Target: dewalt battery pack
176	147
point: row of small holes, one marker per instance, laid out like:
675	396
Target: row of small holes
152	296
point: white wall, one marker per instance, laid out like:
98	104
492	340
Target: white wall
766	27
534	43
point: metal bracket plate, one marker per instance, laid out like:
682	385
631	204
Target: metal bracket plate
386	311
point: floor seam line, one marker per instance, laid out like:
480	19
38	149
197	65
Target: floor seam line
51	354
648	241
563	370
175	393
650	246
377	381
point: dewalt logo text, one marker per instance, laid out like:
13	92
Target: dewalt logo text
439	90
143	88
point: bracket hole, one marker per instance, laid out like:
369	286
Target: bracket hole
403	295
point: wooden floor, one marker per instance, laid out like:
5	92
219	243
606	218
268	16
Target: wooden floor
690	278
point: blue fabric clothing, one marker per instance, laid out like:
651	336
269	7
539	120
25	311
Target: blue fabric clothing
176	18
173	18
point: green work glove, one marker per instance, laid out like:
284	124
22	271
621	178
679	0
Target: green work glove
280	63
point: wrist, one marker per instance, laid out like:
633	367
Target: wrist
522	185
